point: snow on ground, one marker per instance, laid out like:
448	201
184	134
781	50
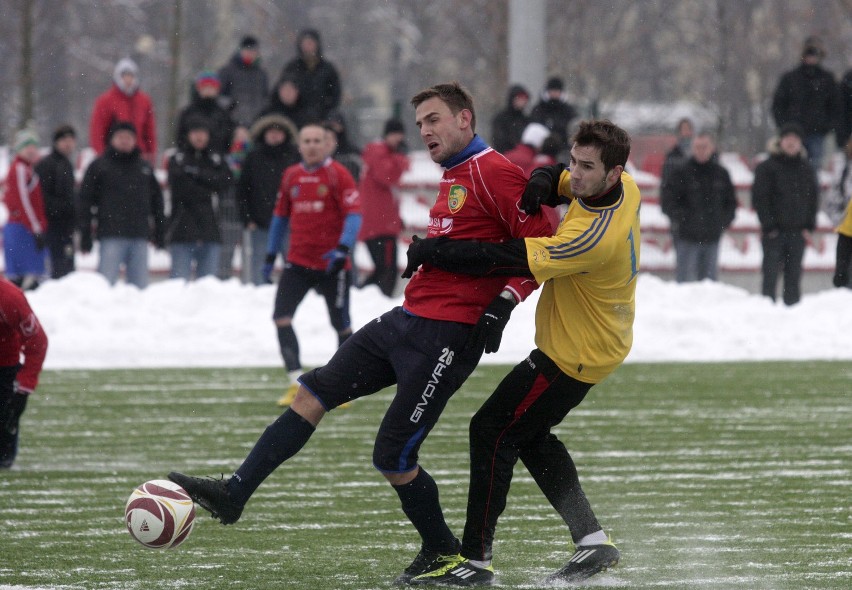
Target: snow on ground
212	323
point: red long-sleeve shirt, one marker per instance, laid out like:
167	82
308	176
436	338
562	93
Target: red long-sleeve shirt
23	197
478	199
113	106
20	333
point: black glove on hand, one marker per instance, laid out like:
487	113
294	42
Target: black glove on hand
488	331
420	251
542	189
336	259
39	241
840	278
268	265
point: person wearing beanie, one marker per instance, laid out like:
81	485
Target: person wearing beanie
554	111
56	175
508	125
23	234
524	153
385	161
121	205
244	83
809	96
785	196
205	102
197	176
124	101
273	149
318	80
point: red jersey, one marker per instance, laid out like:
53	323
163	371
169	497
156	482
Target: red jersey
23	197
316	202
20	332
380	175
478	199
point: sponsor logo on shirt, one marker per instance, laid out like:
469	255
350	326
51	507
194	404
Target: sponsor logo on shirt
440	226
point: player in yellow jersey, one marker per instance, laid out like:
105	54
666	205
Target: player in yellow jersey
584	330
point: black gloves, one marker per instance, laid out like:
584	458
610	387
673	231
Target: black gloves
267	268
840	279
336	259
488	331
542	189
39	241
420	251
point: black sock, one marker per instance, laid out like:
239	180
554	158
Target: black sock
281	440
421	505
289	346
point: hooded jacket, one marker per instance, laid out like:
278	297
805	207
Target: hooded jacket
807	95
196	179
319	82
116	105
508	125
219	120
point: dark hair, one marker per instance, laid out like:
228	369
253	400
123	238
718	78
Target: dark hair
613	141
63	131
455	97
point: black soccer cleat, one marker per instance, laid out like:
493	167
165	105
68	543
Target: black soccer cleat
426	561
211	494
587	561
456	572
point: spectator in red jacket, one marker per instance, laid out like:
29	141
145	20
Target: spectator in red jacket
384	163
23	235
124	101
20	334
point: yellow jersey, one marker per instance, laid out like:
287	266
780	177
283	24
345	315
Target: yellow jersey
588	269
845	226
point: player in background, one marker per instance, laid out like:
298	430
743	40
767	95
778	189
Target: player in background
318	215
427	347
20	334
584	330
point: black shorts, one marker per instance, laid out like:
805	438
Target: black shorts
427	360
296	281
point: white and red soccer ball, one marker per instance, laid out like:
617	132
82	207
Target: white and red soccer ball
159	514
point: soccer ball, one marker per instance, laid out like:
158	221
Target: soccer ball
159	514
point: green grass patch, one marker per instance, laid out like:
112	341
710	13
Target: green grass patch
707	476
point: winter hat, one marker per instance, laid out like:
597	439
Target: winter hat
555	83
126	66
394	126
207	78
275	121
194	122
63	131
791	128
122	126
813	46
25	137
534	134
249	42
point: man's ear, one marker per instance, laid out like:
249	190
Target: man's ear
465	117
615	173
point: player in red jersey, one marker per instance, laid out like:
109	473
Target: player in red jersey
427	347
318	214
20	333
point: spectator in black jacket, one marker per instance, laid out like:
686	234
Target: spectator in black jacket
844	127
808	96
273	150
554	111
285	100
245	82
122	205
197	177
56	174
702	205
785	195
205	101
508	125
319	82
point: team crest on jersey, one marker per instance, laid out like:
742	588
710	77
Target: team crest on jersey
322	190
456	198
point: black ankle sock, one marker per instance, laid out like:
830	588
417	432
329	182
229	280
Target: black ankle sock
281	440
421	505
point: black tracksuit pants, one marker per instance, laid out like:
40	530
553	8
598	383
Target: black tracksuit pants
515	423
